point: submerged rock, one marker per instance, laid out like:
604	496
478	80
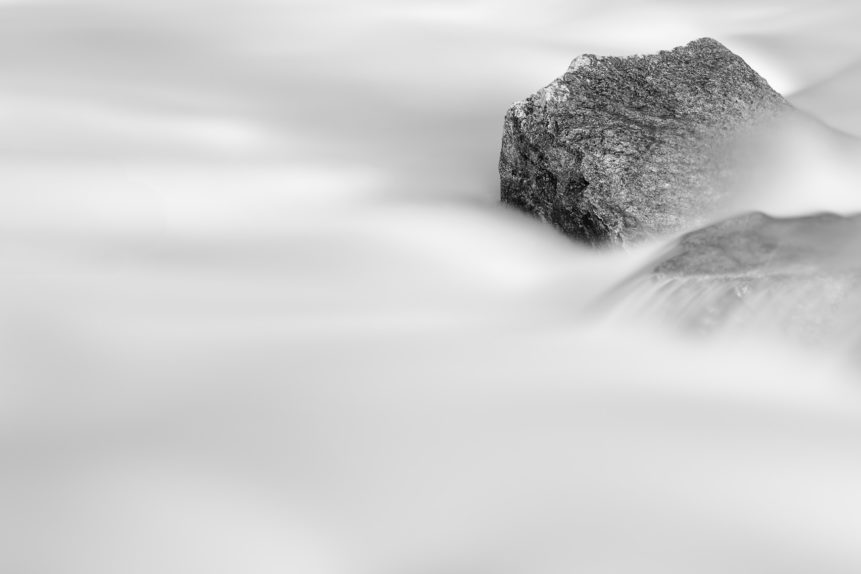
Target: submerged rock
798	275
619	149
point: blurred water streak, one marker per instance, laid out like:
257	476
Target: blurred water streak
262	313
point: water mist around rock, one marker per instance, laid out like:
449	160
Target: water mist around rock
262	311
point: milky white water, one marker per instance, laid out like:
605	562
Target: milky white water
261	311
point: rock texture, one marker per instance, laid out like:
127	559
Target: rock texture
619	149
799	275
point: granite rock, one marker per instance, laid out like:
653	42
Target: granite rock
799	275
621	149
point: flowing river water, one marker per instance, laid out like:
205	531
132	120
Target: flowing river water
262	311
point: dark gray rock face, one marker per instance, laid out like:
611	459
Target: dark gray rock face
620	149
799	275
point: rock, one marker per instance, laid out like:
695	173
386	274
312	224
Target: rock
621	149
799	275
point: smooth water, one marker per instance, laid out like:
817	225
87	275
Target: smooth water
261	310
